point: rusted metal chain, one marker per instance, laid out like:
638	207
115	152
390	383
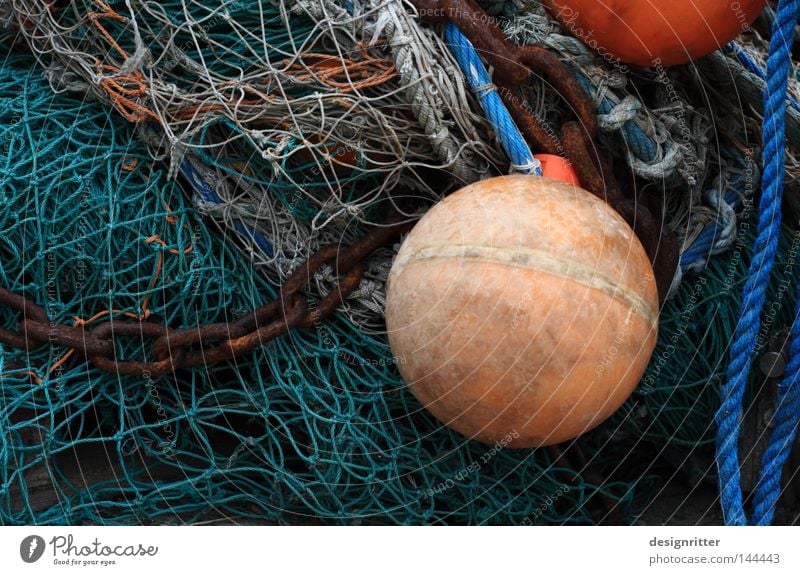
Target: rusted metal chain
173	349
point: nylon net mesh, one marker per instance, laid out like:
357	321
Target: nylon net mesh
190	157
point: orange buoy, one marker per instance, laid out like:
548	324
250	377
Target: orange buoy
522	307
656	32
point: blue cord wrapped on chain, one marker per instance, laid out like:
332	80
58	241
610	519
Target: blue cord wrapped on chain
496	112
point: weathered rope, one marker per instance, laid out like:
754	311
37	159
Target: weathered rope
472	67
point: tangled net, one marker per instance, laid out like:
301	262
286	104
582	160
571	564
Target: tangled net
304	115
301	114
316	427
292	124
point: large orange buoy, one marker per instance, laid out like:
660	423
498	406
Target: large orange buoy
652	32
522	307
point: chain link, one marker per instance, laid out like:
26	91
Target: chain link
173	349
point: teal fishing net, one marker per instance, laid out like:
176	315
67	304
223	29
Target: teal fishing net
674	405
315	427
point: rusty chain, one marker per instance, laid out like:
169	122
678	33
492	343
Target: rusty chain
173	349
515	67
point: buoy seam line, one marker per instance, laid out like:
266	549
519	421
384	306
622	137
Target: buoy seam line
537	260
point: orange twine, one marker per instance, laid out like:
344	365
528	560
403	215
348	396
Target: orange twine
155	239
130	166
343	74
121	88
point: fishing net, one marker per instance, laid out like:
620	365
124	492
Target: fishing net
314	427
176	161
674	405
302	116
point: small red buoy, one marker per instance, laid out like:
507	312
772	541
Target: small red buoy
522	309
655	32
558	168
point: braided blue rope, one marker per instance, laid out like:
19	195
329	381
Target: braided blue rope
640	144
782	437
734	188
496	112
702	247
753	67
744	342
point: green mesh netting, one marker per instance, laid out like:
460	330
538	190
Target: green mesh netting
315	427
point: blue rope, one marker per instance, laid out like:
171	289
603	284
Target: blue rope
732	185
753	67
744	342
783	436
496	112
699	252
637	141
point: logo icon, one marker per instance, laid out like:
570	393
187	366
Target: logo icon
31	549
